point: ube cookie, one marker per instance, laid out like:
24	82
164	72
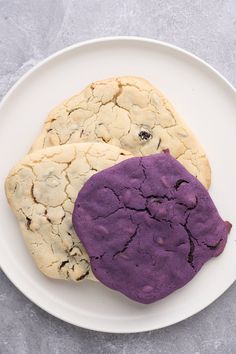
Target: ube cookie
41	191
130	113
154	229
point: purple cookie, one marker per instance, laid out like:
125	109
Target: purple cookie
148	226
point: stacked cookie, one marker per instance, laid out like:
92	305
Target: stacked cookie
106	123
41	191
154	230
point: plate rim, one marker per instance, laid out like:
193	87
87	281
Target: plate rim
47	60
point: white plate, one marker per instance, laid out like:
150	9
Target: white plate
206	101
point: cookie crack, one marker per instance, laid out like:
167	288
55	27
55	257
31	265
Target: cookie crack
191	239
144	209
179	182
127	243
144	175
112	190
107	215
187	207
213	247
83	276
191	246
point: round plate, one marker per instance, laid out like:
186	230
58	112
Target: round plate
208	104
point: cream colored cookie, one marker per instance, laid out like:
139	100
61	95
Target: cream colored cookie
130	113
42	189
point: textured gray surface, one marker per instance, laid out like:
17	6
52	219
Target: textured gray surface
30	30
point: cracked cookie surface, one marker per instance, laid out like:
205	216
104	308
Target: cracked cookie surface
130	113
153	231
42	189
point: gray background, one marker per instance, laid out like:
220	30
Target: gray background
30	31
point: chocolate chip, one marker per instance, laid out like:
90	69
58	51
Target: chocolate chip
28	222
144	135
